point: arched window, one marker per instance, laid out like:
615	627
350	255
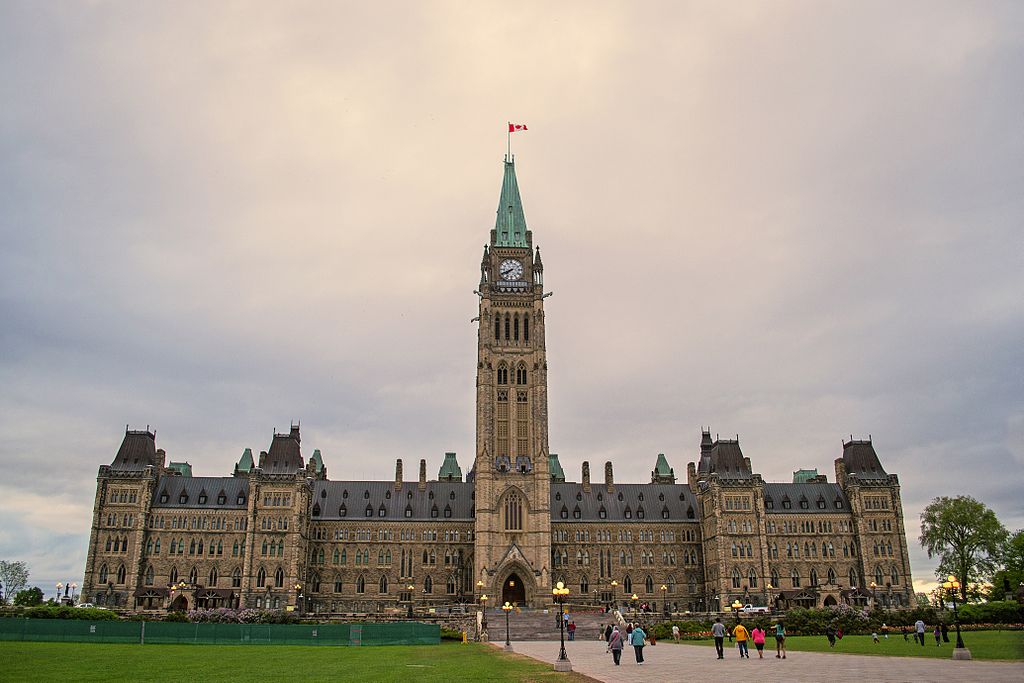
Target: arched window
279	578
878	576
515	328
513	512
775	578
649	584
627	584
895	575
814	577
737	580
213	578
507	325
149	575
382	586
502	374
526	328
428	585
497	328
236	578
173	575
521	374
584	585
795	578
853	578
831	576
752	579
361	584
193	576
450	585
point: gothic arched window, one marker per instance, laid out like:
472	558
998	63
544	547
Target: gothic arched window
513	512
382	586
752	579
279	578
736	579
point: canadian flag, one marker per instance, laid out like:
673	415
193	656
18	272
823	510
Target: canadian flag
513	127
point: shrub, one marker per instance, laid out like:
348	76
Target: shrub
66	612
451	634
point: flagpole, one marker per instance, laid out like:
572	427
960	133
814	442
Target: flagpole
509	133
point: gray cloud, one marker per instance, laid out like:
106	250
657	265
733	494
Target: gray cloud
792	221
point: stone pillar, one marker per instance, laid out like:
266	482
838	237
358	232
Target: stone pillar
609	480
398	474
586	476
423	475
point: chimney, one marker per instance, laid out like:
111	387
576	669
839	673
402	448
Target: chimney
691	476
586	477
841	473
609	481
398	474
423	475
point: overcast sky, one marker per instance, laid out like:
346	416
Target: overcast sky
794	222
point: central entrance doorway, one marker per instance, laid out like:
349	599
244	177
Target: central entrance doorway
513	591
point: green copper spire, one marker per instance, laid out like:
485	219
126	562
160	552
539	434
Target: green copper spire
662	473
555	468
450	470
318	461
510	226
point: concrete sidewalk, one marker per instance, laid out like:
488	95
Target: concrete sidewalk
670	662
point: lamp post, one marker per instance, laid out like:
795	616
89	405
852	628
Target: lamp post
874	601
635	599
506	608
953	585
768	594
60	587
298	597
410	588
615	585
479	587
737	606
664	599
74	587
560	593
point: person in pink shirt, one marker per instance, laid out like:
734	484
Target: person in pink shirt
758	636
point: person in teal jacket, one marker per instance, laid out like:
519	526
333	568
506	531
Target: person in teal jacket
636	639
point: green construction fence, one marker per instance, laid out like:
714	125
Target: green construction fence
159	632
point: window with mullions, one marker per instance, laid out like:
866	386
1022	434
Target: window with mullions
513	512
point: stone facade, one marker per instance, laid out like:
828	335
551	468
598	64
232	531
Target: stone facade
279	533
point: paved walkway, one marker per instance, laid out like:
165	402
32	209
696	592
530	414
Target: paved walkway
671	662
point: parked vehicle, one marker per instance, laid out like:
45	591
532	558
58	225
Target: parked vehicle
755	609
85	604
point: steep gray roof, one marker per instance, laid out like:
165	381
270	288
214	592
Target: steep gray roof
194	487
677	498
138	449
862	461
811	492
725	459
457	496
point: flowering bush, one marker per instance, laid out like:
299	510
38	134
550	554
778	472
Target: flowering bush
226	615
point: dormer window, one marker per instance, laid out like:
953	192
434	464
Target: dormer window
602	513
600	496
640	513
408	510
576	512
342	511
579	496
409	495
564	513
202	499
222	499
382	511
447	511
769	504
620	496
387	494
451	496
786	503
641	495
558	496
433	511
430	495
689	512
369	510
839	504
316	510
366	495
661	497
241	499
344	493
821	504
628	513
183	498
163	497
664	512
804	504
323	493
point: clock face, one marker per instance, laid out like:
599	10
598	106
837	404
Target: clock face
510	269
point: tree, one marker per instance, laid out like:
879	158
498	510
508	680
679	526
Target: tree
965	535
30	597
13	578
1006	581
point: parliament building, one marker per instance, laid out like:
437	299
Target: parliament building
278	533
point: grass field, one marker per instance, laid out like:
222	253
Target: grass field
982	644
211	663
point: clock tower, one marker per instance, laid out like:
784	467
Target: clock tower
513	482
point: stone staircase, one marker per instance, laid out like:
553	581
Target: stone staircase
538	624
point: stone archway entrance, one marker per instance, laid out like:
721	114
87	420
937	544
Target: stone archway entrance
830	601
513	590
179	604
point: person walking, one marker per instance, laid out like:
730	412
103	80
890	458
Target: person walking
615	645
636	639
919	631
742	635
874	637
608	633
718	631
903	630
675	632
830	633
571	628
885	631
757	635
780	640
938	635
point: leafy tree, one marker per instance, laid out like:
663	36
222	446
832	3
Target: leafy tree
1006	581
965	535
29	597
13	578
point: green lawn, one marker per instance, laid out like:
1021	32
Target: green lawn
982	644
448	661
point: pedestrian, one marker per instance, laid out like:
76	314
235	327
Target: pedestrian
629	629
830	633
718	631
919	631
780	639
938	636
874	637
903	630
741	633
608	633
675	632
650	637
757	634
615	645
945	633
572	630
885	631
636	639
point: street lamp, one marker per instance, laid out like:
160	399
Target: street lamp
298	597
636	602
506	608
60	587
479	587
615	584
560	593
768	592
410	588
74	587
737	605
664	600
953	585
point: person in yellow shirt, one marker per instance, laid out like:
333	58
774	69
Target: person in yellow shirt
741	634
